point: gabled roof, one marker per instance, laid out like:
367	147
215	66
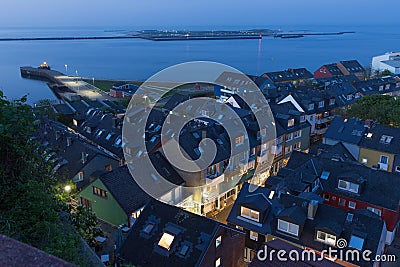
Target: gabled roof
346	130
327	218
141	245
352	66
124	189
382	138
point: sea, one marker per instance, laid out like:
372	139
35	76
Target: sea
137	59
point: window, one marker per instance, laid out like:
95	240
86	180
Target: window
349	217
288	227
297	134
297	146
384	159
289	137
99	192
80	176
239	140
332	101
381	88
374	210
348	186
397	169
326	197
250	214
342	202
86	203
290	123
357	95
364	160
352	205
321	104
356	242
349	97
253	236
166	241
311	106
385	139
302	118
218	262
288	150
218	241
147	229
326	238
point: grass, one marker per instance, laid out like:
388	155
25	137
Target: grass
105	85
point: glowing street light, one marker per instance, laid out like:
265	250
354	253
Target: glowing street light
66	69
67	188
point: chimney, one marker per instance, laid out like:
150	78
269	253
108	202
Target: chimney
312	209
69	141
368	123
84	157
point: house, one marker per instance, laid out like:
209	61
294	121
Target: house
72	158
123	90
15	253
380	148
268	256
317	106
116	198
352	67
388	61
346	185
294	76
166	235
372	144
327	71
303	220
382	86
102	129
349	132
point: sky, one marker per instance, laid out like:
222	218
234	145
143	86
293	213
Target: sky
169	14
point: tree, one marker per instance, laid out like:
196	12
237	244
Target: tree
382	108
28	207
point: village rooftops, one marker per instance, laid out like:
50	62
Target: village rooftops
346	130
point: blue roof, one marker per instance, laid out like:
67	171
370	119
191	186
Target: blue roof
346	130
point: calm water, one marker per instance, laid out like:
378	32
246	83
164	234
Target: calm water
139	59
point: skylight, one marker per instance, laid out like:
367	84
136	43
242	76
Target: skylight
369	135
148	228
356	242
325	175
349	217
166	241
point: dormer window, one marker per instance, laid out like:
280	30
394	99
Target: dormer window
348	186
250	214
387	86
311	106
321	104
349	97
326	238
290	123
357	95
381	88
288	227
166	241
239	140
218	241
385	139
302	118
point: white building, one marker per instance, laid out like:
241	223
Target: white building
389	61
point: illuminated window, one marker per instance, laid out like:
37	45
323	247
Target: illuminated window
218	241
239	140
166	241
218	262
99	192
326	238
290	122
253	236
250	214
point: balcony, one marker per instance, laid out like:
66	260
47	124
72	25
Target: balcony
213	180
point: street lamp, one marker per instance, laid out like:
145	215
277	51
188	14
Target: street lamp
66	69
67	188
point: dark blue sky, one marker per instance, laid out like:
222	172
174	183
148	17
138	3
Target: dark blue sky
185	13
